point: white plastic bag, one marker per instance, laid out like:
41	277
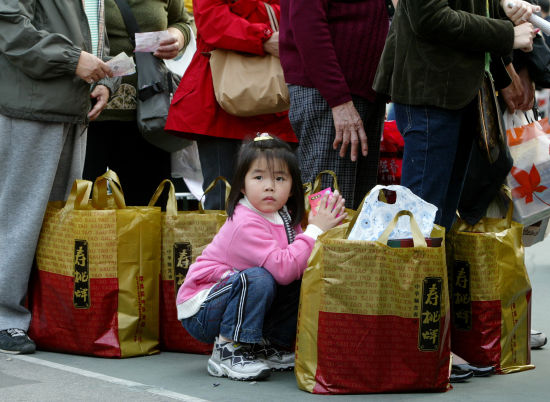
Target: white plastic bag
375	215
529	178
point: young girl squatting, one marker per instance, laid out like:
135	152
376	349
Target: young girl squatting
242	292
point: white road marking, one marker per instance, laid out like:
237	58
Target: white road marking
113	380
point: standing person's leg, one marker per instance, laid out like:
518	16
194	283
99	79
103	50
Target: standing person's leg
40	156
119	146
372	114
311	119
432	140
218	157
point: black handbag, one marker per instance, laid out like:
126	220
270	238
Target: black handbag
484	178
156	85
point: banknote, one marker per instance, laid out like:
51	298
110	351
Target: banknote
150	41
122	65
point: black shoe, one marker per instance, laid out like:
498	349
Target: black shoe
479	371
458	375
16	341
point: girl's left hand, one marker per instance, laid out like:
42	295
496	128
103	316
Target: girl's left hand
331	212
169	48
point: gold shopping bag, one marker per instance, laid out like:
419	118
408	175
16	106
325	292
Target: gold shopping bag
374	318
96	287
490	294
185	234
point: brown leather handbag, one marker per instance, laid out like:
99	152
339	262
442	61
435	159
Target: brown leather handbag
489	128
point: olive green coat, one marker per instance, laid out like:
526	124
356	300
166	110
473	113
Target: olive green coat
435	51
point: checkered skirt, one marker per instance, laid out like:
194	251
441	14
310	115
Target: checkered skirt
311	119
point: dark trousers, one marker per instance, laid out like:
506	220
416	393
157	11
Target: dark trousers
119	146
438	144
218	157
247	306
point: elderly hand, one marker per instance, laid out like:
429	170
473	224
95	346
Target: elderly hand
520	11
513	93
169	48
92	69
349	130
528	86
101	95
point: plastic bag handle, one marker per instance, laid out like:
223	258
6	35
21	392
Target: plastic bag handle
99	194
79	196
211	187
171	204
418	237
515	120
317	183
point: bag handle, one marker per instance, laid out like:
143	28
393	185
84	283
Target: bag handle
211	187
272	17
129	20
99	195
79	196
171	204
317	183
418	237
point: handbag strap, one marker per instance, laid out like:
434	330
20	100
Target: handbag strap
129	20
272	17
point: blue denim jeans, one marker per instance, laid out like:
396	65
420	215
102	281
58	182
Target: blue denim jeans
438	144
247	306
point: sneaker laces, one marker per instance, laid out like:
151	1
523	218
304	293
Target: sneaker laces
13	332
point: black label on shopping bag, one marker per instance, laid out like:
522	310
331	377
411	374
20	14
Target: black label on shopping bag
430	315
461	296
81	294
182	261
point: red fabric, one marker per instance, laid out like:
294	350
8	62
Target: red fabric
243	26
56	325
392	140
367	354
173	336
391	155
481	344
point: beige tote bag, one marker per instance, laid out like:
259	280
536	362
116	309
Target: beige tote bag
249	85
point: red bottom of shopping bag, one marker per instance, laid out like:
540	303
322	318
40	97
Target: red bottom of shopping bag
480	344
58	326
173	336
367	354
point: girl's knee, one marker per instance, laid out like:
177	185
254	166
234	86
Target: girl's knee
261	277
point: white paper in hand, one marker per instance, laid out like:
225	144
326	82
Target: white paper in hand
150	41
122	65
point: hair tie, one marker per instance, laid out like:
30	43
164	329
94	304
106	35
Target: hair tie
263	136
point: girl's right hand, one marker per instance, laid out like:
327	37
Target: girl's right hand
326	217
523	36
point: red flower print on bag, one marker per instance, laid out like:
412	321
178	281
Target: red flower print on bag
529	184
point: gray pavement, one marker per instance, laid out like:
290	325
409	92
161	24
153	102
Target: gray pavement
47	376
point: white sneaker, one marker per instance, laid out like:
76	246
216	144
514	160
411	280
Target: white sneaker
236	361
538	339
276	360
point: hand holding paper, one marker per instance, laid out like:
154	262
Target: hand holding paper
122	65
150	41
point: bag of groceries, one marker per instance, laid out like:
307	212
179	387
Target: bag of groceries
96	287
185	234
